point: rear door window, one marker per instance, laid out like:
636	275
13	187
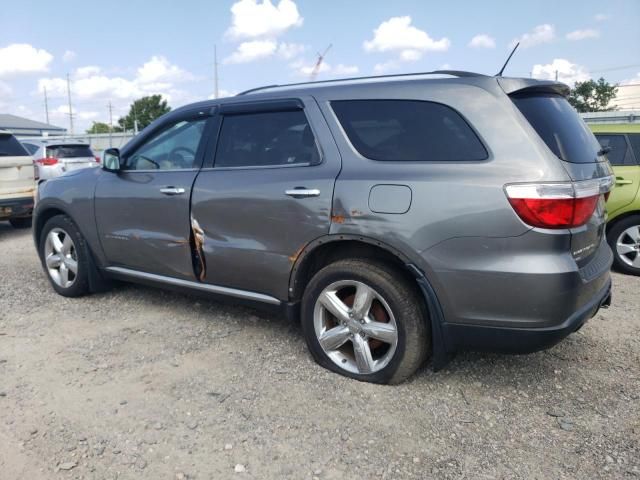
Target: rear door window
408	131
10	147
634	140
560	126
69	151
266	139
31	148
619	154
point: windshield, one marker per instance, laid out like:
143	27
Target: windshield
560	126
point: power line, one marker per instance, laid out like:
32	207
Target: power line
46	105
70	109
215	71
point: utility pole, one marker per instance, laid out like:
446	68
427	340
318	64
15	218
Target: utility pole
215	71
556	75
46	105
135	118
70	109
110	124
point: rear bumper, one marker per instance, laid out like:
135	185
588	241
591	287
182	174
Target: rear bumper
16	207
522	340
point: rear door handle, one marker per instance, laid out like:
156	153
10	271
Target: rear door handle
301	192
172	190
622	181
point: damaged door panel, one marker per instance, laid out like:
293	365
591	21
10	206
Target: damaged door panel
268	195
197	252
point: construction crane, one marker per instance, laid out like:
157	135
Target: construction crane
316	68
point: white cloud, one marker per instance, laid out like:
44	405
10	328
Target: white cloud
567	71
583	34
398	35
341	70
20	58
253	50
88	71
158	68
540	34
68	55
482	40
290	50
253	19
601	17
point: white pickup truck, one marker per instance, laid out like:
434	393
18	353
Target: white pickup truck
17	182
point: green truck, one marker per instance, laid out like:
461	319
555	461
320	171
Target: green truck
623	206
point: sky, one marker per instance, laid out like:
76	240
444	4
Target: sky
117	51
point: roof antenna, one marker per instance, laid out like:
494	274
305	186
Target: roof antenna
499	74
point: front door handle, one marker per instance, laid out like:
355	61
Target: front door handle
623	181
301	192
172	190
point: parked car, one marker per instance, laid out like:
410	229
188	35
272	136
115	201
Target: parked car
623	206
17	184
53	157
401	218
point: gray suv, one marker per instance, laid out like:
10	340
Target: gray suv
400	218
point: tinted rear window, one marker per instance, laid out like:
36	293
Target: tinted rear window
69	151
10	147
634	140
408	130
560	126
618	153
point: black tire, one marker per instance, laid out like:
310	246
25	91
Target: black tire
24	222
80	285
612	237
406	304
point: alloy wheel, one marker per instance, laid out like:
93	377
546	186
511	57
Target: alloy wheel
355	327
61	258
628	246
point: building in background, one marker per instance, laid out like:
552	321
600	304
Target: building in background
620	121
24	127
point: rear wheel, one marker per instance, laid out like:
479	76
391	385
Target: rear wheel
65	256
24	222
624	240
366	321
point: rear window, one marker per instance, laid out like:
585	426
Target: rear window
10	147
634	140
560	126
69	151
618	153
408	130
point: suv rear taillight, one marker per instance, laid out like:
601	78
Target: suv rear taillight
47	161
557	205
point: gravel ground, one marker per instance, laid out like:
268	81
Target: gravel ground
140	383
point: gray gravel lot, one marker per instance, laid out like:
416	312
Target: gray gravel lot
141	383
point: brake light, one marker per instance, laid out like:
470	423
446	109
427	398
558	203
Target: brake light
47	161
557	205
97	159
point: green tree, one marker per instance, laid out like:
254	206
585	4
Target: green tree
145	110
592	96
101	127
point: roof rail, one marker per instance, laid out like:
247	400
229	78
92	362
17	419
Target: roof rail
455	73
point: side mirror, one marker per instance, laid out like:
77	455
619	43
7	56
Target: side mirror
111	160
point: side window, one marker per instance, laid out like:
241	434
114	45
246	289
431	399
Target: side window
174	148
618	154
31	148
634	140
408	130
266	139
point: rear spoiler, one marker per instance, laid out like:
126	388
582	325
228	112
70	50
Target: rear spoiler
512	86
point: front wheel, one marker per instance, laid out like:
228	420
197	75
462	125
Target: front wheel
366	321
65	256
624	240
